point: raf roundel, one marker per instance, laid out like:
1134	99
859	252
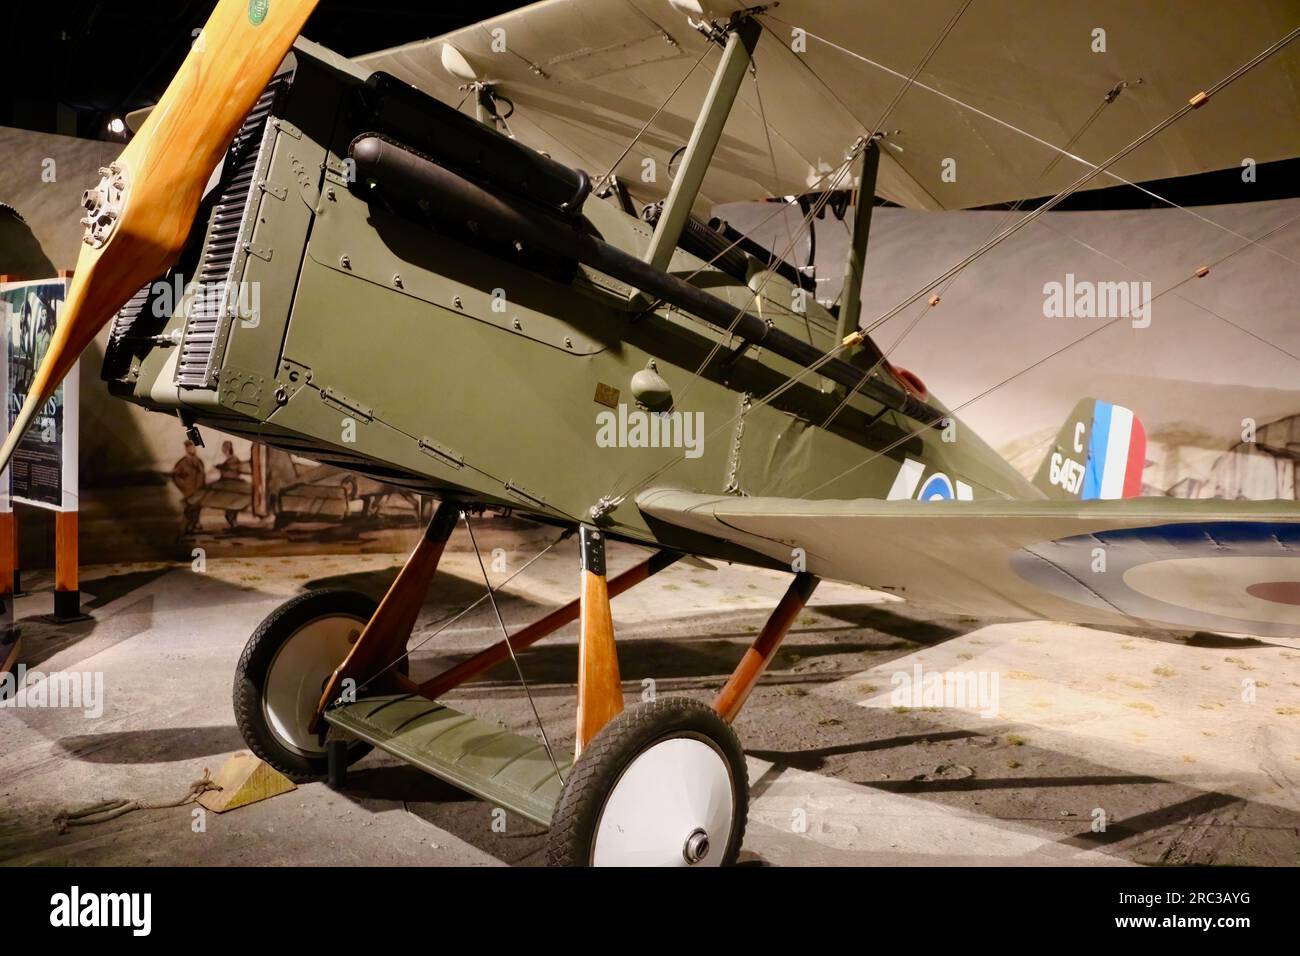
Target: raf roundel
1236	576
936	488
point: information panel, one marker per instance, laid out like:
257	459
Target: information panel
43	471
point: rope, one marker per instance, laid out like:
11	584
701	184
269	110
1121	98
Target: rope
921	65
1204	308
1109	98
1062	152
757	292
771	153
870	135
107	810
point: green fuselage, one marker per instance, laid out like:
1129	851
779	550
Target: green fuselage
370	339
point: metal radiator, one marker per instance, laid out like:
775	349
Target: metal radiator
213	307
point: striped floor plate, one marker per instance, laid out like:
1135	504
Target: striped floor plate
505	769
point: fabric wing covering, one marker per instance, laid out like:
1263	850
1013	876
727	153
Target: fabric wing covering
585	75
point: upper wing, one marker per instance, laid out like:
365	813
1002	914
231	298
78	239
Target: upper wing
1212	565
586	75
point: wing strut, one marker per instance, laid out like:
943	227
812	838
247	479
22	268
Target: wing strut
742	36
851	297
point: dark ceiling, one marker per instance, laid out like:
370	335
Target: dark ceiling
69	66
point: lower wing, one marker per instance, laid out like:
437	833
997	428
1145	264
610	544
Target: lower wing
1162	562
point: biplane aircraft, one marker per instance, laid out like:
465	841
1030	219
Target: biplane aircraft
468	272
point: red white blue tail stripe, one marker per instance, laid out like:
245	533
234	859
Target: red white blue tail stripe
1117	445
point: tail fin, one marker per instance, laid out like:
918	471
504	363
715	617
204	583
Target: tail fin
1099	453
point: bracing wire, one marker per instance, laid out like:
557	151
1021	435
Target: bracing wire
451	619
1002	236
1055	353
1063	153
491	593
608	175
823	199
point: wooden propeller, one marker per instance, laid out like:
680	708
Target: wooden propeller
155	186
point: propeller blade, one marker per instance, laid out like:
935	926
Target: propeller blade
142	210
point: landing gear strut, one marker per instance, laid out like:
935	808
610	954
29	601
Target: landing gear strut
662	783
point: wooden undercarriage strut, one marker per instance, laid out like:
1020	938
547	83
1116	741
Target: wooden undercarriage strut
484	660
600	692
737	689
384	638
600	697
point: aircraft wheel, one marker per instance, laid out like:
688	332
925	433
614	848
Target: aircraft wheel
283	671
663	784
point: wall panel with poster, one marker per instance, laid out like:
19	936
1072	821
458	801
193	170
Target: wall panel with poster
44	468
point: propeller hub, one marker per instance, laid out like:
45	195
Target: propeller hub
103	205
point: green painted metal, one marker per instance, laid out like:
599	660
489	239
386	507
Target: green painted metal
741	40
413	357
481	758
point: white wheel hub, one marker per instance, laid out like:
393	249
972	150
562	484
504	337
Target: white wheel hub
672	806
297	676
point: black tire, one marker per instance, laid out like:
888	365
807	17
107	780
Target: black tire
254	666
592	779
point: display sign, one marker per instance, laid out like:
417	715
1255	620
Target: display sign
43	471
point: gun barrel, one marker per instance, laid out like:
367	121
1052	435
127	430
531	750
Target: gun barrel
394	167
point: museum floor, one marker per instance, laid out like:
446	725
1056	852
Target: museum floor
1148	733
